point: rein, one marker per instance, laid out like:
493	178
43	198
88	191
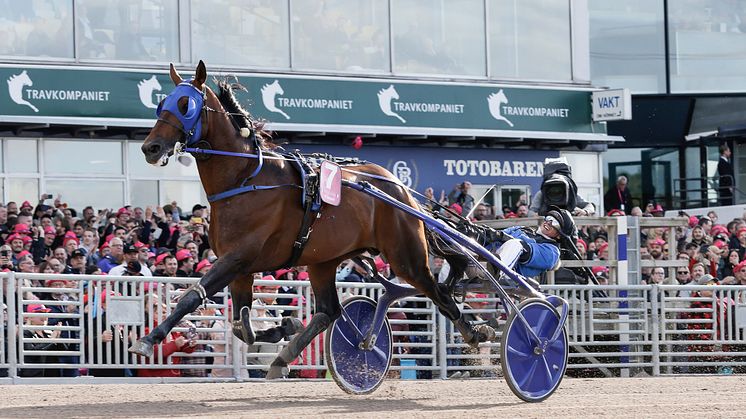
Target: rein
192	131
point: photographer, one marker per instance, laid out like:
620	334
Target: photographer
461	195
559	190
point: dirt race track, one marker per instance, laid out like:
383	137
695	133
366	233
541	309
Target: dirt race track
635	397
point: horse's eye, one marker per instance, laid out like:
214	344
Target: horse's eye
183	105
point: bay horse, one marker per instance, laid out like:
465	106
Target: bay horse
255	231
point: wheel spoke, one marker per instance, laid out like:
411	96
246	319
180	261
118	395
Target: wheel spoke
547	369
542	323
344	336
529	375
380	353
518	352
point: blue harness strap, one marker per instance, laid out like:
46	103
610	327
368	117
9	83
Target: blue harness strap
246	188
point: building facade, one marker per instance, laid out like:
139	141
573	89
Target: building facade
479	90
684	61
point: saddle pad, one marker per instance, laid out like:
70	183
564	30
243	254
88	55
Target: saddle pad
331	183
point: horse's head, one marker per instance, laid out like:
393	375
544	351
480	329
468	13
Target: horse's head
179	116
276	88
390	92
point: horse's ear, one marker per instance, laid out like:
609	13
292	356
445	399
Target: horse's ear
175	77
200	76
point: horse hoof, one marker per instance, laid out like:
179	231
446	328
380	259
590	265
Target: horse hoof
242	328
141	348
277	373
485	333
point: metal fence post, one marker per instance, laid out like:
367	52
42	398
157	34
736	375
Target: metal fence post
655	338
237	356
12	326
441	346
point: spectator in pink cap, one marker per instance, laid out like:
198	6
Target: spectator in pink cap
603	251
582	248
38	316
115	257
655	248
170	265
43	242
456	208
143	252
16	244
21	229
70	242
185	263
202	268
26	208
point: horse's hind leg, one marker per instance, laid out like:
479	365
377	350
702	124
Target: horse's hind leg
327	310
409	262
242	293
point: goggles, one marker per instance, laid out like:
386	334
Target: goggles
553	222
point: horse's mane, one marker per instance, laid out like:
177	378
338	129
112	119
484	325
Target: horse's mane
241	116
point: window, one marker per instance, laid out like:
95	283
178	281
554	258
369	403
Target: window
84	157
40	28
444	37
23	189
706	43
21	156
628	45
79	193
144	193
184	193
530	39
343	35
139	30
584	167
242	33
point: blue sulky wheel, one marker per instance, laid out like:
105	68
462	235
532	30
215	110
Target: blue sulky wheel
533	371
354	369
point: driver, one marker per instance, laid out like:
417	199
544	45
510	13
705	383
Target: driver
529	252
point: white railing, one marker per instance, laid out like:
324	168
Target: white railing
656	329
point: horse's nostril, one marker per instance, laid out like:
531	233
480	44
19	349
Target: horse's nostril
151	148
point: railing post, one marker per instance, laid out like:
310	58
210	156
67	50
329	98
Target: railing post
13	328
441	345
622	278
655	338
236	356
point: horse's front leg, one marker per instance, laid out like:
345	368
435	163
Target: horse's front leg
225	270
327	310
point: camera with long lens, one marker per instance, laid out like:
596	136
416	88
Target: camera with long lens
556	191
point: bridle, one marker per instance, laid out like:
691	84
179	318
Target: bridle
191	124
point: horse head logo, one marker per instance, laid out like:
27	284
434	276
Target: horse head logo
495	101
385	96
16	83
269	92
145	88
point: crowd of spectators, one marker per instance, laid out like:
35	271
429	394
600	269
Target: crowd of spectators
52	238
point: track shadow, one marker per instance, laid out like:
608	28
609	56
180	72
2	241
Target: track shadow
343	405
